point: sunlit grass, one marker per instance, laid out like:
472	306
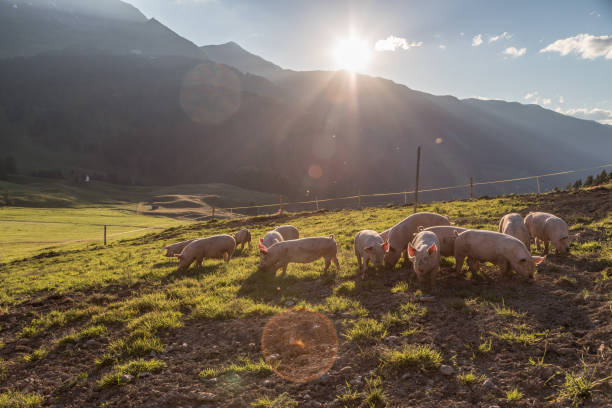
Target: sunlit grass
133	368
410	355
15	399
244	365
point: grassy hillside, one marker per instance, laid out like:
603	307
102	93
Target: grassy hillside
119	326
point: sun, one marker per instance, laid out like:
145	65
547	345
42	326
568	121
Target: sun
352	54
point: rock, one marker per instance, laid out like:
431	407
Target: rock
487	383
426	299
289	303
406	376
23	349
323	378
91	343
213	380
252	345
391	338
127	377
143	375
206	396
306	396
345	370
446	370
268	382
184	345
273	357
358	380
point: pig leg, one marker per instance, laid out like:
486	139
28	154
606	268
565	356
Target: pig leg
459	263
335	261
434	275
538	243
327	263
284	266
546	247
358	259
504	266
473	264
199	261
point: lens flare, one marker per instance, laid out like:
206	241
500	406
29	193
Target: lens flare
299	344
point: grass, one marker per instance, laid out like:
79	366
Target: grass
14	399
577	388
519	334
366	329
36	355
350	397
133	368
471	378
513	395
282	401
374	395
410	355
85	334
244	366
503	310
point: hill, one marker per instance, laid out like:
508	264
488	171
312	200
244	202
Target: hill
119	326
114	27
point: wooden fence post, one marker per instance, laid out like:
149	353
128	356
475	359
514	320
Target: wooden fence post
471	188
105	235
280	211
213	212
317	203
359	199
405	197
416	190
538	181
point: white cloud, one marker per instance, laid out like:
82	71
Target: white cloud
561	99
586	45
442	46
594	13
515	52
477	40
597	114
462	33
391	43
503	36
546	101
530	95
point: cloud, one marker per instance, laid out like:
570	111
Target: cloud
586	45
391	43
561	99
442	46
503	36
477	40
530	95
515	52
546	101
594	13
600	115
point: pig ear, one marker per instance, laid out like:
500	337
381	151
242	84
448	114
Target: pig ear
385	246
263	249
411	251
538	259
261	240
432	249
178	256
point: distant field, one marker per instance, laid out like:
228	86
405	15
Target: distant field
48	214
27	231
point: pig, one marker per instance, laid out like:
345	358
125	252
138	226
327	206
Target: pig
512	224
177	248
243	237
549	228
403	232
425	255
503	250
370	246
217	246
271	238
446	235
302	250
288	232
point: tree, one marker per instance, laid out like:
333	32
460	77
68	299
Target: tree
588	181
601	178
577	184
568	187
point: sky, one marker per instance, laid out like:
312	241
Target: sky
557	54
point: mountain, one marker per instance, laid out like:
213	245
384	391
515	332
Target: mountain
234	55
32	27
94	87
